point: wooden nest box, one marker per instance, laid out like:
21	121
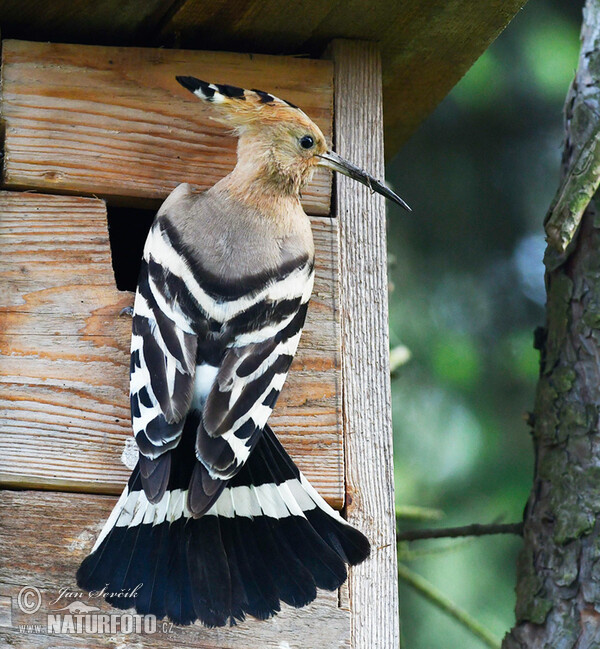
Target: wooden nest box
94	136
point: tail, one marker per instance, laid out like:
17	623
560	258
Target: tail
269	538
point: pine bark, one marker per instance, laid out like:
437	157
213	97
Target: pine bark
558	581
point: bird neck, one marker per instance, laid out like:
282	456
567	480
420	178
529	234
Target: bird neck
261	180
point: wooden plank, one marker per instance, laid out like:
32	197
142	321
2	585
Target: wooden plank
80	20
256	25
426	47
64	355
366	396
114	122
46	535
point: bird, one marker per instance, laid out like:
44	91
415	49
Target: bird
216	521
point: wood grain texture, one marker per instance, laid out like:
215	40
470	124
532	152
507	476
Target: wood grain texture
114	122
64	355
366	405
44	537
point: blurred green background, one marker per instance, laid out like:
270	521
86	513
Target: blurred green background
467	292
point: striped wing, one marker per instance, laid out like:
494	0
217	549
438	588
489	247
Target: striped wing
208	362
243	395
246	386
163	364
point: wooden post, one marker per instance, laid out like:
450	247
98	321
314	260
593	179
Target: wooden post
366	399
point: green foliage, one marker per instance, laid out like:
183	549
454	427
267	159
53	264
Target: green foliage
456	360
468	292
516	357
551	52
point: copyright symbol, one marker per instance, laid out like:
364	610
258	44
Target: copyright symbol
29	599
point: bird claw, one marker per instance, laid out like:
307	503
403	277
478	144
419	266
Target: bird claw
128	310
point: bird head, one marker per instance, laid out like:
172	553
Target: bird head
278	142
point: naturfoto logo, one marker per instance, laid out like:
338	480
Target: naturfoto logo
68	613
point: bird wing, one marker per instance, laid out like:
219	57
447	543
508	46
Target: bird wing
247	384
163	365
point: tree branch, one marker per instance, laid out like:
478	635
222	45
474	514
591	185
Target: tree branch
577	190
581	159
416	513
435	597
475	529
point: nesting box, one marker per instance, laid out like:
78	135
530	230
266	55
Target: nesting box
95	138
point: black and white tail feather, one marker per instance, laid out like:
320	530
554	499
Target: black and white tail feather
268	538
216	521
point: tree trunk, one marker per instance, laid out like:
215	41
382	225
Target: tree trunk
558	587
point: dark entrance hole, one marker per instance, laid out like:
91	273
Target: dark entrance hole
127	230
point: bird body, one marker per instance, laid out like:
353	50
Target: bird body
216	521
236	239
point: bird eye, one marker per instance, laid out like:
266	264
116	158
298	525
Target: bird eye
307	142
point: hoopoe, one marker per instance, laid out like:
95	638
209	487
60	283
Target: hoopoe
216	521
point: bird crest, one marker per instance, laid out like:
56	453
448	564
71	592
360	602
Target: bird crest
240	107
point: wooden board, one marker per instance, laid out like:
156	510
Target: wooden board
114	122
82	20
367	411
44	537
64	354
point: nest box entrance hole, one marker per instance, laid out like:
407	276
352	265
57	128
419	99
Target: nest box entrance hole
127	230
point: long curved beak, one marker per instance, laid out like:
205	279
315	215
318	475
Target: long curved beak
333	161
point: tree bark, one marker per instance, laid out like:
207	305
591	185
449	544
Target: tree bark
558	581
